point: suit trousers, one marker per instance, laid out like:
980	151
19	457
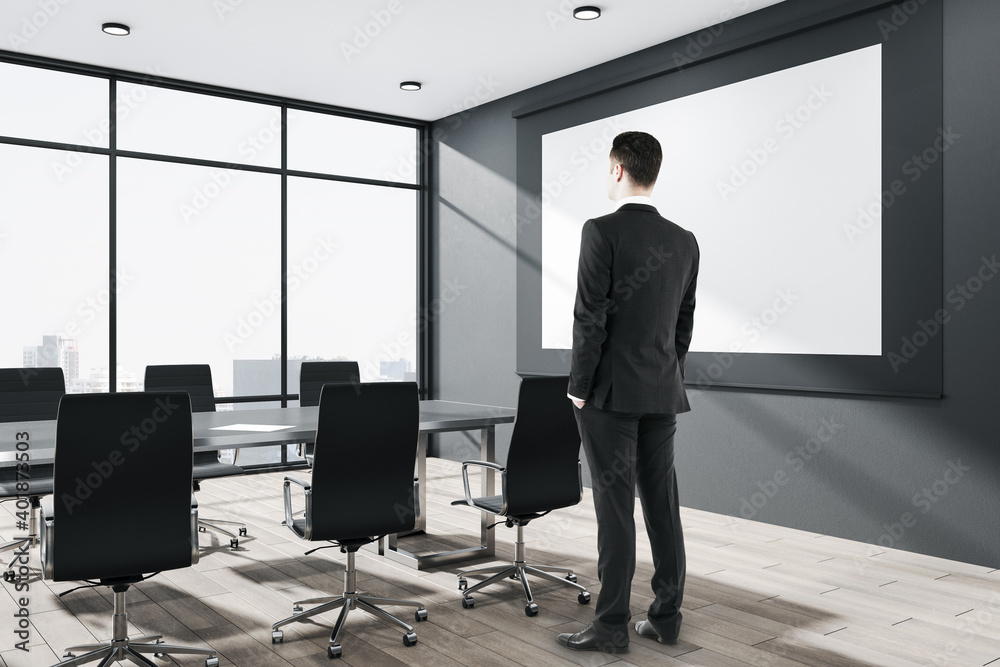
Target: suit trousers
626	451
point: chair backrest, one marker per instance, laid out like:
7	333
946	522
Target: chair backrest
543	471
195	379
30	394
366	449
314	374
122	485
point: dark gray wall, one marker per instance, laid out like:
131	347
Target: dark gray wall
920	475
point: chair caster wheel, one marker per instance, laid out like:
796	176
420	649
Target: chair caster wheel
583	598
420	615
277	637
297	609
409	639
531	609
201	529
463	583
234	543
571	577
513	576
468	603
333	651
243	532
69	655
8	576
211	662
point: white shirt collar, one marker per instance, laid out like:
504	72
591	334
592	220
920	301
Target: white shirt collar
634	200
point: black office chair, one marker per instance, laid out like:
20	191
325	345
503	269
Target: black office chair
542	474
312	376
361	490
196	380
27	394
122	479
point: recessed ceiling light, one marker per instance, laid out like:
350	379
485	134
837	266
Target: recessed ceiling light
117	29
410	85
587	13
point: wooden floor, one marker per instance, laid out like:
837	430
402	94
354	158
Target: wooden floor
756	595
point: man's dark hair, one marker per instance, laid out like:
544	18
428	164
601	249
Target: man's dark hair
640	155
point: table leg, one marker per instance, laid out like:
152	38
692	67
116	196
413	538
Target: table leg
389	546
487	449
421	472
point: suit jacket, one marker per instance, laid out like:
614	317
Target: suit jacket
634	312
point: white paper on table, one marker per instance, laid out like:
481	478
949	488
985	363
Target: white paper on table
261	428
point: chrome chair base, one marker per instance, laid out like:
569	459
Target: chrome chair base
351	599
519	569
122	648
213	524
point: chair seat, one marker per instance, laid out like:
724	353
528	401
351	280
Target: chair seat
494	504
217	469
491	504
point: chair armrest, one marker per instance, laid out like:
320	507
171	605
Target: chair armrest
481	464
289	521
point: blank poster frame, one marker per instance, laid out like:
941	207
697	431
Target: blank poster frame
913	308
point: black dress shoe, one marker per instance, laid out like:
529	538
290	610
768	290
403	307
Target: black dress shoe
646	629
590	639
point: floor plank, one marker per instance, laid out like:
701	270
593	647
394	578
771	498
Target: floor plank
756	594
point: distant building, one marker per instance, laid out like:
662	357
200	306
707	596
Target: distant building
394	370
99	382
54	352
262	377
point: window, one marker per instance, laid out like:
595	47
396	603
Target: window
352	258
179	258
54	106
350	147
54	264
202	247
173	122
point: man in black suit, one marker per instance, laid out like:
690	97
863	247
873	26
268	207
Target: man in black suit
632	327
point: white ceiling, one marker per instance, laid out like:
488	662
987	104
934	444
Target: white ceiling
354	53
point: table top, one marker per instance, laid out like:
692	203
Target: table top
258	427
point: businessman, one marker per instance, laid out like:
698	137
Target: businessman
632	326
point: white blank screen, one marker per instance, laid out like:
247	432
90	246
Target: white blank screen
779	178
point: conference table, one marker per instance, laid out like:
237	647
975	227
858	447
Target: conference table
263	427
